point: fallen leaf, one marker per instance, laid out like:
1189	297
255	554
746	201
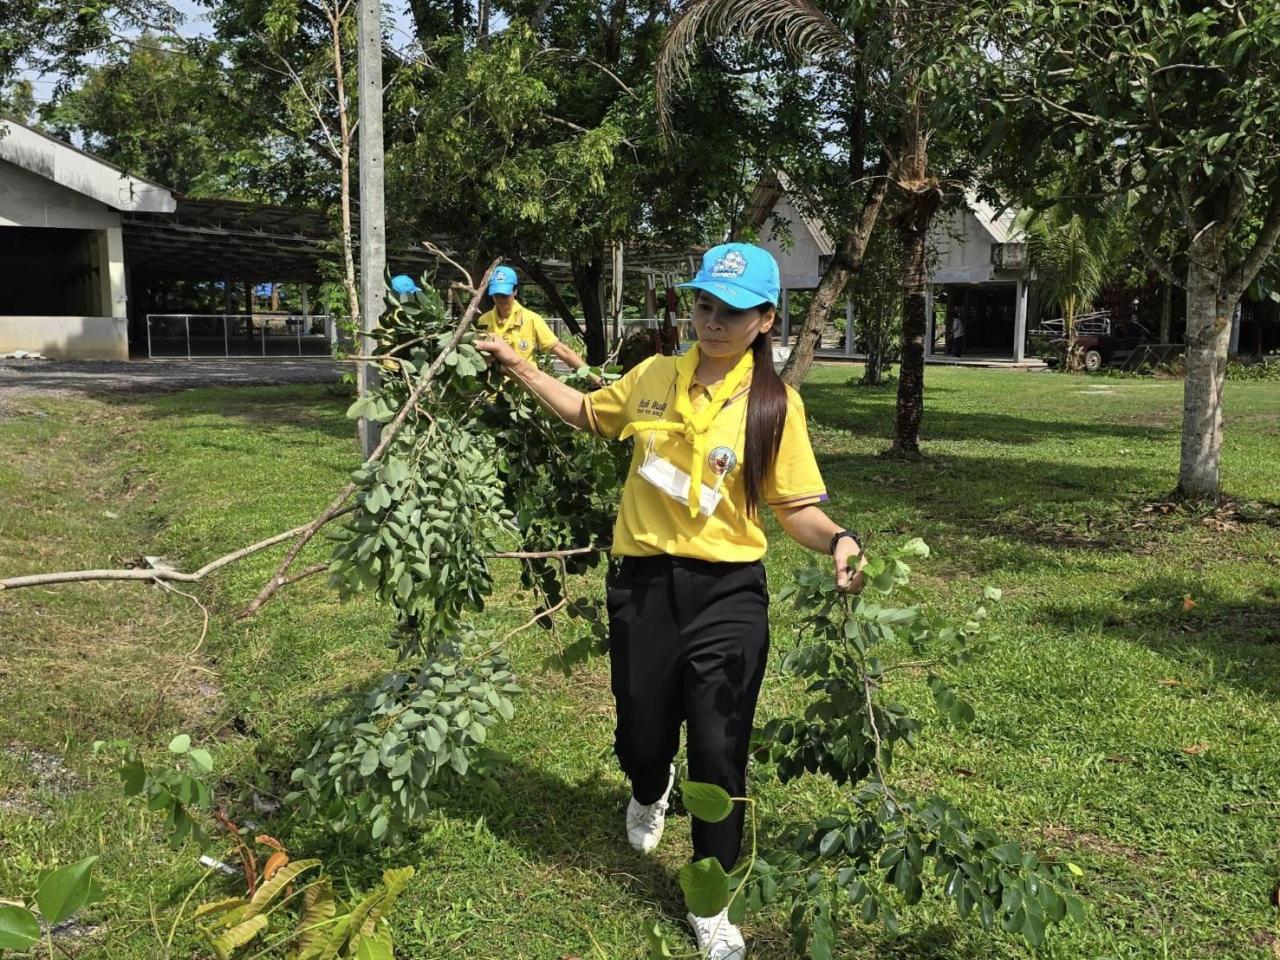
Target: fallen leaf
274	863
1188	603
1196	749
965	772
1171	682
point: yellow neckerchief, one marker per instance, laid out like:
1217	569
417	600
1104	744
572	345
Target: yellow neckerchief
695	427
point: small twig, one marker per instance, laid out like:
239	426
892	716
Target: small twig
186	661
248	862
437	252
544	554
310	571
511	633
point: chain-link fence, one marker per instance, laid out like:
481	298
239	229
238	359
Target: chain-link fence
240	336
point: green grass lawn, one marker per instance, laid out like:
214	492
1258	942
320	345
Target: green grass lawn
1116	728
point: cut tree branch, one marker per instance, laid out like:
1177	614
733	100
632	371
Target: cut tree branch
155	573
388	434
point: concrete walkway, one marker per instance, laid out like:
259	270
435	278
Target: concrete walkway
137	376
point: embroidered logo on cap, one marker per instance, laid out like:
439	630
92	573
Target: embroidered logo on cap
732	264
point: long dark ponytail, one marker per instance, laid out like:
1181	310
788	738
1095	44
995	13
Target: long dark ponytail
766	416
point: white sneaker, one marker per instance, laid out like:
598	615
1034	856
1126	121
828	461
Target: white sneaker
646	820
718	939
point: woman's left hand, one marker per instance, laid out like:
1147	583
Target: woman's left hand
849	563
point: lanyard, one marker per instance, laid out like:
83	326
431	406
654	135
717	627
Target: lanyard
694	427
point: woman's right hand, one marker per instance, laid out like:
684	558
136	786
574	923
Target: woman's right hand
498	349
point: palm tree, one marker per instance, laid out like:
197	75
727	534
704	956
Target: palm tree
1073	258
888	50
807	34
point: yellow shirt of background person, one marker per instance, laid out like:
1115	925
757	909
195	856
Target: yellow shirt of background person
522	328
525	330
651	522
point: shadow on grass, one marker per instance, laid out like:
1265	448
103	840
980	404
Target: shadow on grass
1222	639
870	412
579	827
297	408
954	488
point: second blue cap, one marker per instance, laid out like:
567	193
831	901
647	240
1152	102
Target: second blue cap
503	281
404	285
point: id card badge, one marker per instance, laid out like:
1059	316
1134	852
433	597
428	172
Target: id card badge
675	483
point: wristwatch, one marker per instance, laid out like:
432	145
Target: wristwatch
852	535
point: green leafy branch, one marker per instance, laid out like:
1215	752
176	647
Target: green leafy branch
179	790
880	848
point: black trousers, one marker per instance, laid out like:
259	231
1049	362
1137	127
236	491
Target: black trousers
688	640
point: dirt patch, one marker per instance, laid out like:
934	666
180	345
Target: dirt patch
76	930
17	805
70	378
47	771
1266	941
1069	839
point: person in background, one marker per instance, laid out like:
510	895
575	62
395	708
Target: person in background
524	330
957	335
404	285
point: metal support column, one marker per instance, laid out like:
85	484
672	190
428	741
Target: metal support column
929	322
1020	322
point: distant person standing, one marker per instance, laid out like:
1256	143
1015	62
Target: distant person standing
957	336
524	330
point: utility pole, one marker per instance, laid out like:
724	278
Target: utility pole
373	227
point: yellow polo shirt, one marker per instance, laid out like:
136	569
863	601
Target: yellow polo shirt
523	329
651	522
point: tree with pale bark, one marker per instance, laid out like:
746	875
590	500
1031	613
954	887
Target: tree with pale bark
1173	102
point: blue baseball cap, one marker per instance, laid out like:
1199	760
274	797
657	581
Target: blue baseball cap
503	281
741	274
404	285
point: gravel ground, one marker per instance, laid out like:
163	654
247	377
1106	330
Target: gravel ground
18	377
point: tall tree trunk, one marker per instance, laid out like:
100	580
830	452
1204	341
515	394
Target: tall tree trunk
848	258
1166	314
534	270
873	371
1213	290
587	273
1075	362
920	202
334	15
1208	334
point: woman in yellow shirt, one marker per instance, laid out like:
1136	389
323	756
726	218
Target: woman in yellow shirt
687	598
519	326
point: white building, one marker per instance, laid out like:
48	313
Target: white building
63	281
977	271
